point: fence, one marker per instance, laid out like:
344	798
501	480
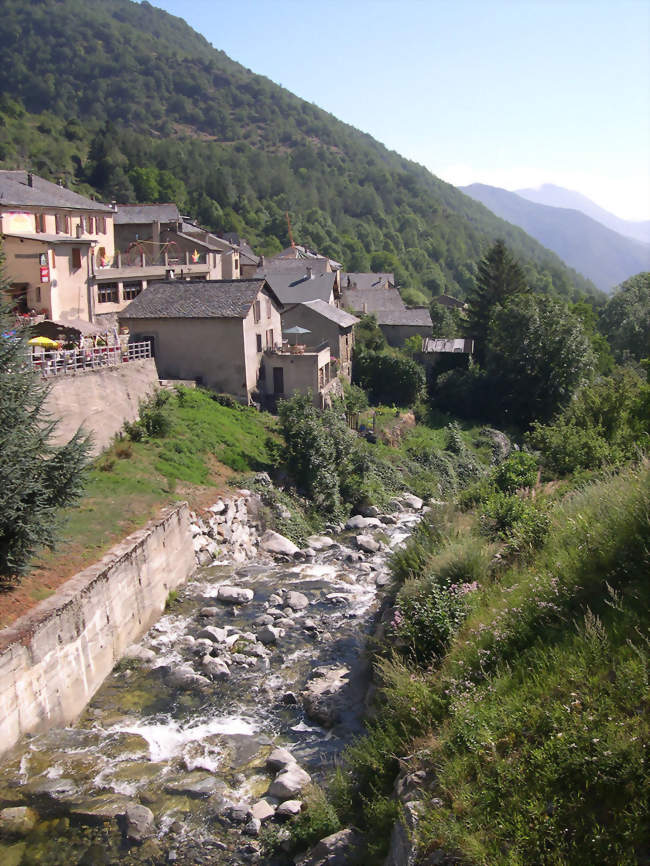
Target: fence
64	362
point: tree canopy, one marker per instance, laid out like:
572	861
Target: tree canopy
625	320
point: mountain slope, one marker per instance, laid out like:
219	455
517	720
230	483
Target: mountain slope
604	256
126	100
557	196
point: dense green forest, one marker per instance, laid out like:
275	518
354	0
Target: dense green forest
126	101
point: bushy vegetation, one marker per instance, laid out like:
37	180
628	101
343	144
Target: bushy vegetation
524	699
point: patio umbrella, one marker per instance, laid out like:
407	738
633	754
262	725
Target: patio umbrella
297	331
43	342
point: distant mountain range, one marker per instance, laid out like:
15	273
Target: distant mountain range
604	256
556	196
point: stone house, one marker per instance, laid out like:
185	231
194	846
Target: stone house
52	237
383	300
212	331
326	324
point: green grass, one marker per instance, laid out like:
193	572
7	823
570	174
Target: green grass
533	724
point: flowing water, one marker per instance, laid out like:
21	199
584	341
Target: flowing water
161	733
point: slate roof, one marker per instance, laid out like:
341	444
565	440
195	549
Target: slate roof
414	316
201	299
15	190
328	311
299	252
374	299
292	290
297	267
137	214
440	344
449	301
366	281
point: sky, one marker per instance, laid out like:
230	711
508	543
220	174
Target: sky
512	93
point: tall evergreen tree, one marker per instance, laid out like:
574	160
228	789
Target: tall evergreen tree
36	477
499	278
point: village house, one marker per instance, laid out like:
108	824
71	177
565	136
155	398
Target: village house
383	300
367	280
51	238
297	282
325	323
212	331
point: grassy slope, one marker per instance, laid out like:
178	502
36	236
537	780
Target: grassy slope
126	486
532	728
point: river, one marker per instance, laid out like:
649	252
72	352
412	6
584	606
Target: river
188	736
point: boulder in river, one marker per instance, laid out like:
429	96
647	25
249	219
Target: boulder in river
289	782
213	634
215	667
335	850
273	542
412	501
296	600
323	695
138	822
17	821
320	542
367	543
280	759
269	634
234	594
289	809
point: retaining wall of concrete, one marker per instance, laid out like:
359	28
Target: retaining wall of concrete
54	659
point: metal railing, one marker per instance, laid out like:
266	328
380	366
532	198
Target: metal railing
65	362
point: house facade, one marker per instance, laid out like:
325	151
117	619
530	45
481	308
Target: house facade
51	238
212	331
325	324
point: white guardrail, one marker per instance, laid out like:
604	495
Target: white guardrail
63	362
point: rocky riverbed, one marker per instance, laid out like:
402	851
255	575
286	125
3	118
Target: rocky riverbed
245	691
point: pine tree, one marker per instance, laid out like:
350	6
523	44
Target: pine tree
499	278
36	478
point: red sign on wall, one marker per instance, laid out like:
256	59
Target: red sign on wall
45	274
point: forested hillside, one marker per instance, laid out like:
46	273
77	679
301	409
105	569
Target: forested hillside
127	101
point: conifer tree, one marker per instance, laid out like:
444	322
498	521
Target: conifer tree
37	478
499	278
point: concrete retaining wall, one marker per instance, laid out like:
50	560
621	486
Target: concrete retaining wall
100	401
54	659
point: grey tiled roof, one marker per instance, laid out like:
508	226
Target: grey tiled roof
329	311
15	190
296	267
203	299
292	290
366	281
137	214
415	316
374	300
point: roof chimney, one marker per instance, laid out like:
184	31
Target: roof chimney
169	274
310	276
30	179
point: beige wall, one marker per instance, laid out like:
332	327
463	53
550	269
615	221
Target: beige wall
340	340
55	658
100	401
24	222
211	350
251	330
300	372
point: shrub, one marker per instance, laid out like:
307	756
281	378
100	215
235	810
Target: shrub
123	449
388	378
227	400
521	522
517	471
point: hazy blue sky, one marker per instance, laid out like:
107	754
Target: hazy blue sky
512	93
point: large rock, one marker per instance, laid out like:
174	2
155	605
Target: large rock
269	634
335	850
17	821
263	810
367	543
289	808
138	822
280	759
357	522
212	633
196	785
273	542
296	600
215	667
323	697
320	542
412	501
289	782
235	594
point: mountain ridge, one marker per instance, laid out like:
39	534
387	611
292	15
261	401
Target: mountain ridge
557	196
602	255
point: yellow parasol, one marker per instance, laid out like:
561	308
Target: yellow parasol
43	342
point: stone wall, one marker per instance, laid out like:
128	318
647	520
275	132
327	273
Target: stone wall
54	658
100	401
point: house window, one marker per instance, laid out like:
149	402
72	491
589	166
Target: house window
257	313
107	293
40	222
269	308
76	258
101	225
53	254
91	225
258	337
269	338
82	225
62	224
131	291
